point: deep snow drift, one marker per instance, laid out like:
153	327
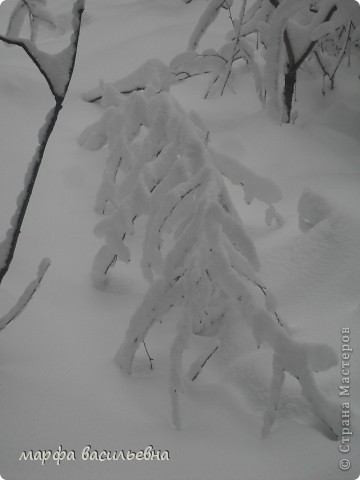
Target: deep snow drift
59	384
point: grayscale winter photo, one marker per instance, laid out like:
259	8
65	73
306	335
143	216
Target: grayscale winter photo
180	239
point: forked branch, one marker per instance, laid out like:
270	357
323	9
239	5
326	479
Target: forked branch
57	70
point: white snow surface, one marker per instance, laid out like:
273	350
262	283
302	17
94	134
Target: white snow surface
59	384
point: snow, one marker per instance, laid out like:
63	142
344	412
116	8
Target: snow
59	383
322	30
16	20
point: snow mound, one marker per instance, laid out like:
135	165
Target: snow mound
312	209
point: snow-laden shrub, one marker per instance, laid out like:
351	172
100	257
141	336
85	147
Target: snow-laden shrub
217	63
275	39
196	254
281	36
299	34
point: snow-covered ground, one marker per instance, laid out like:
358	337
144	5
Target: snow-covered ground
59	385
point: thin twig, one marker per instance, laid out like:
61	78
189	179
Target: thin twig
147	353
235	46
202	365
230	14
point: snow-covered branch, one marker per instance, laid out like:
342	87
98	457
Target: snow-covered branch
153	72
26	296
232	56
57	70
330	64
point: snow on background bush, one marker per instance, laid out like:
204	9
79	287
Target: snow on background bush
59	384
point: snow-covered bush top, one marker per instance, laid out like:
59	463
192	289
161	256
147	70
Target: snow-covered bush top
273	37
197	254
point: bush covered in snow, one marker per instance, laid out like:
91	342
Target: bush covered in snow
197	254
274	38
